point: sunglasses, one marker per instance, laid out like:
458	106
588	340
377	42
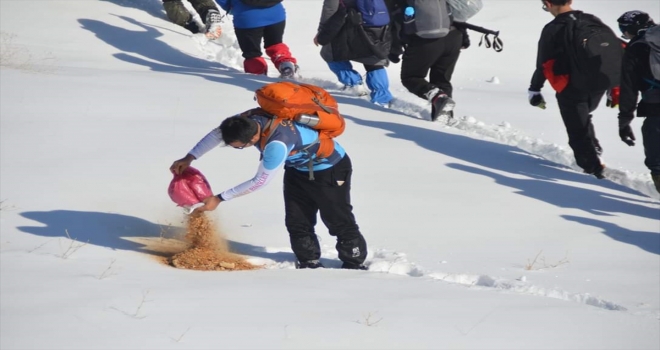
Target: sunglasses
247	144
545	8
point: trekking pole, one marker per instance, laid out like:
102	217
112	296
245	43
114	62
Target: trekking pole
497	43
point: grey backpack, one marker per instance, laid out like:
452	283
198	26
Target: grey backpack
431	19
652	39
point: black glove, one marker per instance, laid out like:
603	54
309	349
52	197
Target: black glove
394	58
466	38
536	99
625	131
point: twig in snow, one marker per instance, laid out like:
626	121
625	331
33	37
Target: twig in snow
544	265
178	340
530	265
73	247
368	319
107	273
39	246
136	314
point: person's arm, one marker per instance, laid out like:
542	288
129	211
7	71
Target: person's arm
629	94
329	8
210	141
544	54
274	156
332	22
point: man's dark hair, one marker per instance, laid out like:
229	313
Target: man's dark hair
238	128
556	2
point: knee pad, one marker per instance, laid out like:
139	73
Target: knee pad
255	65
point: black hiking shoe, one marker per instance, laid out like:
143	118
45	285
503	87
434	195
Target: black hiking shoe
656	181
442	105
598	173
351	266
311	264
192	26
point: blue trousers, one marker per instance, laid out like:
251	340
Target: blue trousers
377	80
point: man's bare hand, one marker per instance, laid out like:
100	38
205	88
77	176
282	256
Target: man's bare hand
210	203
180	165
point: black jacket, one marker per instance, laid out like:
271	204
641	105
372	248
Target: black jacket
350	40
552	62
635	77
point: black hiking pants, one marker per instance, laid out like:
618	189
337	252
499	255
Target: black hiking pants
329	195
651	139
575	108
439	56
249	39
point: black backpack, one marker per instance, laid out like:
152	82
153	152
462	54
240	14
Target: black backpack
261	3
594	52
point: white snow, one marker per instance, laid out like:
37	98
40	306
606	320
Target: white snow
483	233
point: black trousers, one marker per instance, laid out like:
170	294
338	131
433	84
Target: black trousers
576	108
330	195
438	56
651	136
249	40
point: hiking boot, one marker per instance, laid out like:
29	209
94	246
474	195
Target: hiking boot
656	181
310	264
192	26
352	266
288	70
384	105
213	21
357	90
598	172
442	106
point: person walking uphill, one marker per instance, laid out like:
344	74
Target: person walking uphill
638	75
257	20
349	35
317	170
432	46
581	59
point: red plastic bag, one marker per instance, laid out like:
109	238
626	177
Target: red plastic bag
189	188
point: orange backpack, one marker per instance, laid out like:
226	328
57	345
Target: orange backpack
288	100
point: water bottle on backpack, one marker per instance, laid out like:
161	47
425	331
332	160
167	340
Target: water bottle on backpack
409	20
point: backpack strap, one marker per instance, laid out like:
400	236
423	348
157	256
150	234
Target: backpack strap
310	164
267	132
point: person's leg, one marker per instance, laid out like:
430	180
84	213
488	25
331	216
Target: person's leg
345	73
443	68
594	101
651	140
202	7
420	54
332	193
379	84
179	15
249	40
575	112
300	217
276	49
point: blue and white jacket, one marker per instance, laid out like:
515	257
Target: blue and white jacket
246	17
288	146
